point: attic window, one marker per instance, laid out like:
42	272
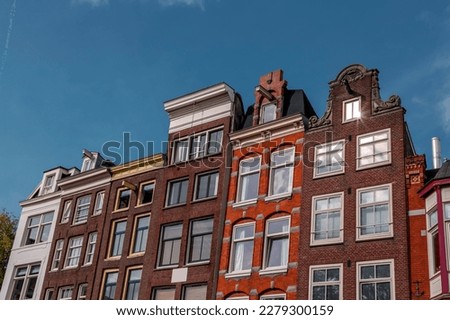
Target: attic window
87	164
48	185
268	113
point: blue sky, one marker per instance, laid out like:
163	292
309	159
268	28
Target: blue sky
76	74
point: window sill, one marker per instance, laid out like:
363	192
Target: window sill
79	223
278	196
328	174
120	210
232	275
136	254
175	205
173	266
373	165
199	263
245	203
143	204
273	270
374	237
317	243
204	199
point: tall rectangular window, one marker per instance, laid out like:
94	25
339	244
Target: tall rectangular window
249	179
90	249
375	280
66	211
268	113
146	191
58	254
169	251
329	159
281	172
180	151
109	285
206	185
242	248
74	252
99	199
123	199
195	292
48	184
325	282
38	228
374	212
352	109
141	234
82	210
198	146
327	219
133	284
215	141
24	282
200	239
433	242
82	291
177	192
118	237
374	149
276	244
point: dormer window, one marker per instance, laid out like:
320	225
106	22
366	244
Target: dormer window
48	184
87	164
268	113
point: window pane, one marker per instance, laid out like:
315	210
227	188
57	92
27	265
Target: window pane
319	275
368	291
249	165
147	193
333	292
243	232
215	142
367	272
383	271
278	226
278	255
249	186
124	198
318	293
383	291
195	292
164	294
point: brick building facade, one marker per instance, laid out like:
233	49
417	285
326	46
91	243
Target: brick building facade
354	205
259	257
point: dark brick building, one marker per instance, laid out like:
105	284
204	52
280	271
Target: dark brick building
354	243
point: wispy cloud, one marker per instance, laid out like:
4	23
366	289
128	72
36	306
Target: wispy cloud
94	3
190	3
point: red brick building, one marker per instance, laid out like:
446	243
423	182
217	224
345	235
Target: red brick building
259	256
418	253
354	243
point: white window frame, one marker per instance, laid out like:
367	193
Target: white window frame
268	240
330	152
73	254
26	279
375	163
99	202
57	256
232	270
391	279
65	293
88	164
355	115
67	210
170	186
242	175
84	208
185	144
375	235
197	185
272	114
42	227
432	231
90	248
48	184
289	163
328	240
82	291
201	235
325	283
